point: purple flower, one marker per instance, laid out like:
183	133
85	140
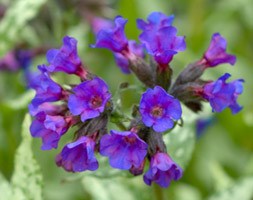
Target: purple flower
19	59
46	107
162	170
24	57
9	62
16	59
98	23
46	89
123	61
159	109
203	124
49	129
137	170
124	149
78	156
66	58
156	20
163	44
216	53
89	99
222	95
160	38
112	38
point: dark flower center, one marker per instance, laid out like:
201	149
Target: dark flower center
157	111
96	101
130	140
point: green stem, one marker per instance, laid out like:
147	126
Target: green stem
163	77
158	192
121	126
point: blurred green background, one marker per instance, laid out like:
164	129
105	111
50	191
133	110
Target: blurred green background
218	165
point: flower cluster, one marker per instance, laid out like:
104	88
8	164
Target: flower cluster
56	109
89	106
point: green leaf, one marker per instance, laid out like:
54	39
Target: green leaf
107	180
221	179
20	102
5	188
242	189
27	179
107	188
249	166
184	191
16	17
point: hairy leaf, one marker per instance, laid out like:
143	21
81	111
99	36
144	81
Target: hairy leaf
5	188
16	17
27	179
240	190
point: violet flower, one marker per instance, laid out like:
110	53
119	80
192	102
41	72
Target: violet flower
156	20
49	129
66	58
222	95
216	53
159	110
162	170
98	24
203	124
78	156
9	62
124	149
16	59
123	61
112	38
160	38
46	107
46	89
89	99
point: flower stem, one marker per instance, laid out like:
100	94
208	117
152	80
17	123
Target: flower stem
163	77
121	126
158	192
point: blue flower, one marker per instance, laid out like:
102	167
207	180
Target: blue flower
89	99
46	89
216	53
123	60
222	95
112	38
156	20
66	59
78	156
16	59
46	107
203	124
159	109
49	128
111	35
162	170
124	149
160	38
98	24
